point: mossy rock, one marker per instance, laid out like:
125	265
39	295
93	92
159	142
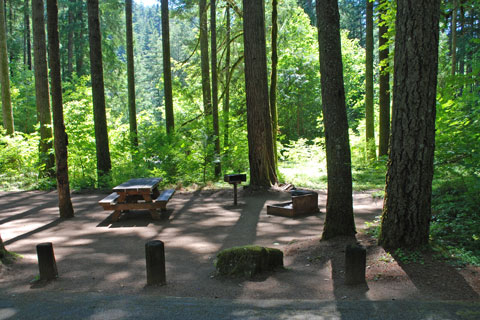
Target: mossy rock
248	261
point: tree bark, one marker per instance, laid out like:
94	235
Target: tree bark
167	69
206	90
407	205
27	46
454	37
3	250
339	217
461	49
70	15
7	111
47	157
98	93
61	140
79	43
259	125
226	99
369	121
384	85
216	131
273	80
132	110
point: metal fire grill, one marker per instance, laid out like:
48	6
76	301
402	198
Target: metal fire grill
235	179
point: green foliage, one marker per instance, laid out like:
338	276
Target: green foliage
18	161
409	256
455	226
22	89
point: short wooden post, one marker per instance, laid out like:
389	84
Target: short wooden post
235	193
355	262
155	257
46	261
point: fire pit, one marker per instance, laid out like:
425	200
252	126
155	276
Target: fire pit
303	202
235	179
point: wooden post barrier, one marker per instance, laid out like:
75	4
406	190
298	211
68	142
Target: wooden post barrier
46	261
355	263
155	258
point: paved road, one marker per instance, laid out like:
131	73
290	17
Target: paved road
55	305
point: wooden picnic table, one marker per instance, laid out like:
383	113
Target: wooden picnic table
137	194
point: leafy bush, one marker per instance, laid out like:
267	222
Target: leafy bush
455	227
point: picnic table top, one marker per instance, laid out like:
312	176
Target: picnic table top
138	184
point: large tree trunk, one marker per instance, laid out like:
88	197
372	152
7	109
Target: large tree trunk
369	122
47	158
273	79
132	110
226	97
216	131
27	45
384	85
167	69
7	111
98	93
339	218
259	126
407	205
61	140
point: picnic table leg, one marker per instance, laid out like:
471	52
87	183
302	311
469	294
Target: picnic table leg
155	214
116	215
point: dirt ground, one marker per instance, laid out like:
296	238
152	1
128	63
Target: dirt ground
94	254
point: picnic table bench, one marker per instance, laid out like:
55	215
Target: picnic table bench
137	194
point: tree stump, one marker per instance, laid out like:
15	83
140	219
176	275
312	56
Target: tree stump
155	258
355	262
46	261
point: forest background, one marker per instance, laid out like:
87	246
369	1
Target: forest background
183	159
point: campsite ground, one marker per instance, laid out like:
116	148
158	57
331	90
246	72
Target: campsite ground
95	255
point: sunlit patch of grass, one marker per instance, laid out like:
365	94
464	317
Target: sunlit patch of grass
308	175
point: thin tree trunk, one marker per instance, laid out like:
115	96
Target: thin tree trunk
216	131
70	40
273	80
461	51
407	205
384	85
226	101
339	217
259	125
167	69
7	111
79	43
454	38
132	110
47	157
98	94
61	139
206	91
28	47
369	121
